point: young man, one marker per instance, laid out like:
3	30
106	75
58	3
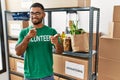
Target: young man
36	42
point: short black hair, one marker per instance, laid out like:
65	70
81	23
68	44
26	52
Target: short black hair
37	5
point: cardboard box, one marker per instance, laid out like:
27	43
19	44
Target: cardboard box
109	48
15	77
20	5
14	27
64	4
109	60
108	69
116	28
104	77
12	44
76	68
12	64
73	67
24	5
110	29
19	66
58	63
58	78
116	13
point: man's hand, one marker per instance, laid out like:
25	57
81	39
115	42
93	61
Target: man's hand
54	39
58	46
32	33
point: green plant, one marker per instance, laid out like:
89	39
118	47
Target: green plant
74	28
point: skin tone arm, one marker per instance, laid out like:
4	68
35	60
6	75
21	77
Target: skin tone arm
20	48
58	46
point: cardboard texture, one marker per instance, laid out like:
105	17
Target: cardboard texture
58	78
12	44
58	63
116	30
14	77
16	65
12	64
109	60
104	77
19	66
110	29
24	5
63	4
108	69
82	62
109	48
20	5
14	27
115	33
116	13
61	65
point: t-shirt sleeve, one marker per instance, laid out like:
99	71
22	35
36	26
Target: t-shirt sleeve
21	37
54	32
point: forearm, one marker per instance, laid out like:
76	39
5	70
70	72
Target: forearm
20	48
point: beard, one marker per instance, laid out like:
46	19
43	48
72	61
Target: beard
36	21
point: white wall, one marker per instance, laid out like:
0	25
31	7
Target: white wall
106	12
106	16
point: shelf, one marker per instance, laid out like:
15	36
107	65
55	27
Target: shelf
79	54
94	76
12	38
16	73
16	11
72	9
85	55
17	57
62	76
62	9
56	74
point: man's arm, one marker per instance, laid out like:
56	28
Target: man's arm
20	48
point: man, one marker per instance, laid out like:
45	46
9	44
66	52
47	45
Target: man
36	43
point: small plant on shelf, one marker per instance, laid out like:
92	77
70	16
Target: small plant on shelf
74	28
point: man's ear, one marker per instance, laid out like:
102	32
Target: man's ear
44	14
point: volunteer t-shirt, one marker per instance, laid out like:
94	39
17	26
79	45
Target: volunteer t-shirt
38	59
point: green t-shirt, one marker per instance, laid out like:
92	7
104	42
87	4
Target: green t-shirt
38	59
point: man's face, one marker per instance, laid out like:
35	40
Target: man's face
36	15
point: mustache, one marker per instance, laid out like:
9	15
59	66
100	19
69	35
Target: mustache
35	18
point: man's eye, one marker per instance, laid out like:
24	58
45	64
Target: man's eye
35	13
